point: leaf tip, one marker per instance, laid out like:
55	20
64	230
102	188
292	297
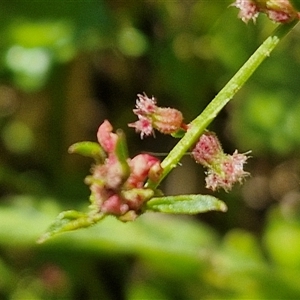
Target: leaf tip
43	238
71	149
223	207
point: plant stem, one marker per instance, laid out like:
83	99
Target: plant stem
199	124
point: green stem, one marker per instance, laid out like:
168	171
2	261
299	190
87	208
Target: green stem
198	125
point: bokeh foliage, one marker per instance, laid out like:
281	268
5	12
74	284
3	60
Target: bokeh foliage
66	66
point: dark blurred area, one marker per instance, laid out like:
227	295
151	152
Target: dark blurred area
65	67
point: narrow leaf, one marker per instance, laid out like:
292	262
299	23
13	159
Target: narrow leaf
186	204
121	152
68	221
89	149
121	146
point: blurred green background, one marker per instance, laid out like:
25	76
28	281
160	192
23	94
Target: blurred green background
65	66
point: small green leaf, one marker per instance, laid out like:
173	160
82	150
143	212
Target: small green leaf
179	133
121	151
121	147
186	204
68	221
89	149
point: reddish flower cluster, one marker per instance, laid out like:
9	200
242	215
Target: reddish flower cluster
164	119
223	170
117	182
280	11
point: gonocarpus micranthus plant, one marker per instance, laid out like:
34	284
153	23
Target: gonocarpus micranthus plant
126	187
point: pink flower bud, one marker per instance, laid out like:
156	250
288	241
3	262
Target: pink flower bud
106	138
115	206
150	117
207	149
140	166
278	16
167	120
280	11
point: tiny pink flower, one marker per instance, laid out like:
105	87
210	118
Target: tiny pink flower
234	166
227	171
223	170
145	105
248	10
143	125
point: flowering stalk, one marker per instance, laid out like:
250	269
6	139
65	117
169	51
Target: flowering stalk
199	124
223	170
127	187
